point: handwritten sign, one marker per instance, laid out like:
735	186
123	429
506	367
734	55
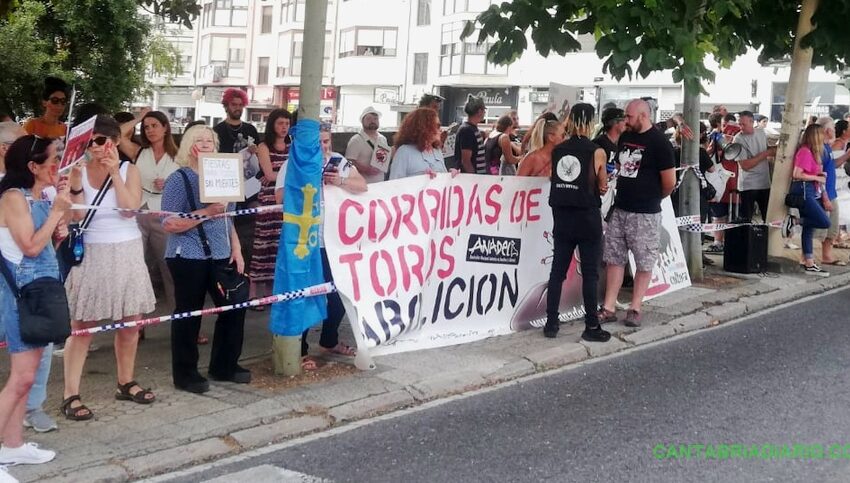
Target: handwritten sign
221	177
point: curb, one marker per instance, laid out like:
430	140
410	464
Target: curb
293	425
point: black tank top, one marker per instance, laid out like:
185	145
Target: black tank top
573	175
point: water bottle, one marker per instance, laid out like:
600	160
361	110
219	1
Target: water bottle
78	249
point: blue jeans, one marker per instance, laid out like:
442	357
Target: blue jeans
813	217
38	392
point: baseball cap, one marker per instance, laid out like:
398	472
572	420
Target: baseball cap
369	110
582	113
429	98
612	114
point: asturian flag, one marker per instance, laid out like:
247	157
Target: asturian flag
299	260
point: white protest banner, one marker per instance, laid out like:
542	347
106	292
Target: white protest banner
434	262
221	177
76	144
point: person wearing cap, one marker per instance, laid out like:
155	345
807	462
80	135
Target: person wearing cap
54	100
431	101
647	176
368	149
577	182
469	145
233	134
613	125
754	182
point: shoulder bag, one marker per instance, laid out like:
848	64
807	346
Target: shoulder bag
43	313
71	250
232	285
796	197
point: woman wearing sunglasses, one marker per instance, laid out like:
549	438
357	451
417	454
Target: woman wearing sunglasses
54	99
112	282
27	225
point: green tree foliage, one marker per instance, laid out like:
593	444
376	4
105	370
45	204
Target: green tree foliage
102	47
651	35
175	11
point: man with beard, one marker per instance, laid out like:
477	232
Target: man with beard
233	134
647	175
613	125
369	148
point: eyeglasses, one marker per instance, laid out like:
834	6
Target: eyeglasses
58	100
100	141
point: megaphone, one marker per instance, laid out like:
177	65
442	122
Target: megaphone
731	151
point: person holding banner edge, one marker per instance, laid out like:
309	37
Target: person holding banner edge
341	172
578	180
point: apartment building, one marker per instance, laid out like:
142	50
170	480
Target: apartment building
387	53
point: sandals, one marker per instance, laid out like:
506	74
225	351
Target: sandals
73	413
141	397
342	350
203	340
308	364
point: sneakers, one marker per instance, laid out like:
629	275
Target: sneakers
632	318
605	316
550	331
5	477
596	334
787	225
39	421
714	248
239	376
816	270
26	454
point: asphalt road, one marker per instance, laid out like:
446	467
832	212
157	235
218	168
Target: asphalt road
779	378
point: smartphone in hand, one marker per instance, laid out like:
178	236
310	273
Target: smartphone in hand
333	164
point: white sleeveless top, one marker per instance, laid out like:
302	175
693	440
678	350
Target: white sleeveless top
10	249
149	170
108	226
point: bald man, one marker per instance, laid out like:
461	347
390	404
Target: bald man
647	176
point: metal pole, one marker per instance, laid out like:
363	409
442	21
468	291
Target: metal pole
287	349
689	194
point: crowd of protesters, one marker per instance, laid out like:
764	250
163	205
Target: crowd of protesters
579	155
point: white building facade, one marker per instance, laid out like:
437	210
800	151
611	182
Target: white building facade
387	53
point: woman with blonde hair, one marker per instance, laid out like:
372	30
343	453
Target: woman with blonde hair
197	252
545	135
808	180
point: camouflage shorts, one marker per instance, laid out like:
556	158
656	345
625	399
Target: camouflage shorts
637	232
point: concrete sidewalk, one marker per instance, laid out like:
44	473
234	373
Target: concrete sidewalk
129	441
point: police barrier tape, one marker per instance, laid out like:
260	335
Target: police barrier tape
188	216
312	291
686	223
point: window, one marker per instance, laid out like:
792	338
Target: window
228	53
423	13
226	13
291	52
263	71
368	42
185	49
293	10
457	57
266	26
461	6
420	68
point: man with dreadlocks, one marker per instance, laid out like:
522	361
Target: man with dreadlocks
647	176
578	181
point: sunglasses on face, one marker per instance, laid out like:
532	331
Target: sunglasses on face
58	100
100	141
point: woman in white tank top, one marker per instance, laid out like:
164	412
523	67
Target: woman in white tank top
112	282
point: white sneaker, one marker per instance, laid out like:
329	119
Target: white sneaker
26	454
5	477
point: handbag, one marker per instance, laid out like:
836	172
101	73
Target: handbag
72	249
43	313
231	285
796	200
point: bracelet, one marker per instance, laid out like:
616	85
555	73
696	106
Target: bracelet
76	192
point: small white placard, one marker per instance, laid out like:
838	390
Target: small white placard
221	177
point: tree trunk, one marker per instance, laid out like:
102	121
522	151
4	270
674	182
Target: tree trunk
689	191
792	116
287	350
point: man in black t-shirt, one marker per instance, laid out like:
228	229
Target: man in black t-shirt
233	134
647	175
469	144
613	125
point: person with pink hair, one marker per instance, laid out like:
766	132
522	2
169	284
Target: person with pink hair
233	134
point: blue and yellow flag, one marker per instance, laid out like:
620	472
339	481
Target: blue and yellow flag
299	261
